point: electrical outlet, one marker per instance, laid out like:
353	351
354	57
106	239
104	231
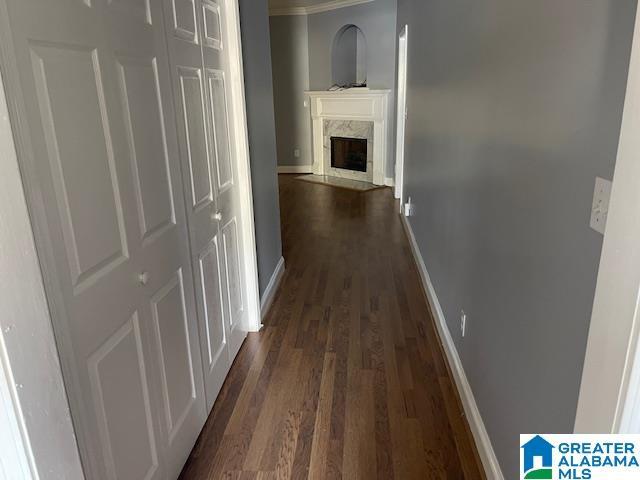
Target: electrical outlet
296	153
600	206
408	208
463	322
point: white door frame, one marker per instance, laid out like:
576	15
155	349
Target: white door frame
37	438
46	429
241	137
610	389
401	112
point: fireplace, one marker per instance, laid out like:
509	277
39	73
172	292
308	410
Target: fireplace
349	153
352	113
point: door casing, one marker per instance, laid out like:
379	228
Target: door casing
401	111
31	439
610	403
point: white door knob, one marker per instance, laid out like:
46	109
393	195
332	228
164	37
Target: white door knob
143	278
217	216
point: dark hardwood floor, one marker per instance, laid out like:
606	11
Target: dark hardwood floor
347	379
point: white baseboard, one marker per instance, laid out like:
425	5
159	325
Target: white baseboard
480	435
389	182
270	292
295	169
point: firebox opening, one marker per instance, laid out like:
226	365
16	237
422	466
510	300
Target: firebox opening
349	153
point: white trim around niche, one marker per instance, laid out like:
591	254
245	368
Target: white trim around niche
322	7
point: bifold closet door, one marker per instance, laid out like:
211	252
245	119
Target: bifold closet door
196	28
219	76
106	194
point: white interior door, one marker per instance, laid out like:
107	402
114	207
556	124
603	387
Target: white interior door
108	211
401	114
198	62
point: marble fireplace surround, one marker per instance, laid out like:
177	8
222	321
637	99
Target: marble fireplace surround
348	129
339	112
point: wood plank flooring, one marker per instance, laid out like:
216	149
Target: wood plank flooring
347	378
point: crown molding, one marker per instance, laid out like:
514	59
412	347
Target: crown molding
322	7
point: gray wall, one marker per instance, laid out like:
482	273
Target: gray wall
514	109
254	22
290	56
377	20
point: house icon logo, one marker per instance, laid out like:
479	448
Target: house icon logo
537	460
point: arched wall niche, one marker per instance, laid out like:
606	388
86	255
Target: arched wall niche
348	57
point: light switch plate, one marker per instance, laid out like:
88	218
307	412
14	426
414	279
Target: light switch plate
600	206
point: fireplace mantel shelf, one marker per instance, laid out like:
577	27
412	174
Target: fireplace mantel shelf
348	91
351	104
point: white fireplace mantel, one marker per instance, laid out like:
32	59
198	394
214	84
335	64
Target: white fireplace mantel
353	104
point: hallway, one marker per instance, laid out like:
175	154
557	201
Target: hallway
346	379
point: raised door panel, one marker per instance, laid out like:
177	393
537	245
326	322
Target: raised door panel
212	295
184	20
80	153
233	269
213	311
139	9
195	134
220	128
121	399
174	351
144	123
212	34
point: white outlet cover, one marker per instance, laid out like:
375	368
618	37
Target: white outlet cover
296	153
408	208
600	205
463	322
